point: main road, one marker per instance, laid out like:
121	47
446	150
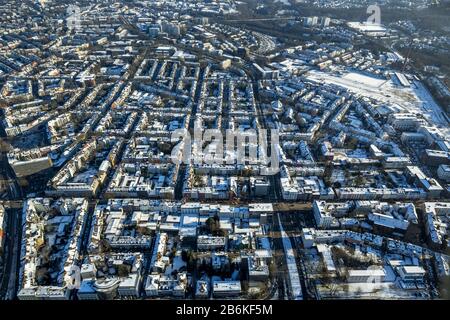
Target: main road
13	230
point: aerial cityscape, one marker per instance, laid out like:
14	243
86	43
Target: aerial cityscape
224	150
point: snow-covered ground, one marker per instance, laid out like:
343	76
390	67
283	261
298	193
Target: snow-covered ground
176	265
415	98
363	79
366	27
428	103
389	288
383	290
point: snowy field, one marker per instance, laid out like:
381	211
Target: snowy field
285	2
367	27
363	79
415	98
363	26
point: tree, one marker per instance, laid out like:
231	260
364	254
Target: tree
172	254
444	287
104	246
213	225
184	256
5	146
359	180
210	224
190	262
123	270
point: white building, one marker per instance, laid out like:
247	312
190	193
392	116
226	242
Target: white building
369	275
129	287
152	285
258	270
88	271
411	273
210	243
325	212
443	172
44	293
308	237
225	289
